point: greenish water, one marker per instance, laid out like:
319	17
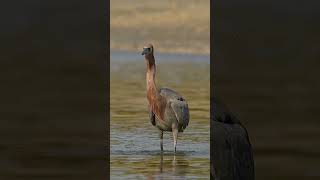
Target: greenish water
135	151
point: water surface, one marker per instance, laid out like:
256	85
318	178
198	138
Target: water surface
135	149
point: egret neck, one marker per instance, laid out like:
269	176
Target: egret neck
153	94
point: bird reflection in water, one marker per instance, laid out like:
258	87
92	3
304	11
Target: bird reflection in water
174	167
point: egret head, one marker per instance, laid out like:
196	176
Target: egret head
147	50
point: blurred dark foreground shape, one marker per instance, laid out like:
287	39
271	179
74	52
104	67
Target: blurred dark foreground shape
231	151
54	100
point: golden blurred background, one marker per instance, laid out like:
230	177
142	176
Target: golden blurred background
134	23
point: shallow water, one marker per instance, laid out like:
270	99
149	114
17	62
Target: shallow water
135	149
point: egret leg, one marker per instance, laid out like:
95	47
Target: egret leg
175	138
161	139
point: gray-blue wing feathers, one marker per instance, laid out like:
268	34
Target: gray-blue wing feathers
181	110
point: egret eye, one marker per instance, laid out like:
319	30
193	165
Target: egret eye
146	49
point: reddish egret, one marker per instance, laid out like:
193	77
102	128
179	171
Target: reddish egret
168	110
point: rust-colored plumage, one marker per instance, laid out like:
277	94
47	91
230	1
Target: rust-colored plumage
156	102
168	110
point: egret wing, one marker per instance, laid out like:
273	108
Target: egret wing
181	110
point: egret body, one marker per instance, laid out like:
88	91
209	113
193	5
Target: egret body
168	110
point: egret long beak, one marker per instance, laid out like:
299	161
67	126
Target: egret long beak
145	51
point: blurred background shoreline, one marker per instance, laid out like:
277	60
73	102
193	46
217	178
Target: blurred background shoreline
134	23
